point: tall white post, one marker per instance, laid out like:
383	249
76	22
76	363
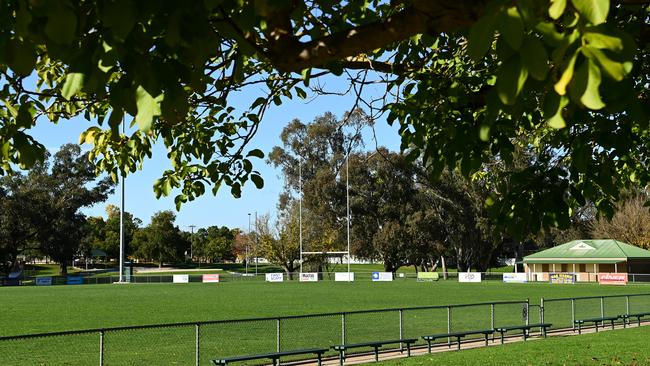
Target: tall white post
122	179
300	210
248	241
347	197
257	232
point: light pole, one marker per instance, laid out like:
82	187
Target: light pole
192	243
248	240
300	211
256	247
121	280
347	198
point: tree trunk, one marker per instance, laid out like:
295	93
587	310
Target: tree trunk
444	267
63	268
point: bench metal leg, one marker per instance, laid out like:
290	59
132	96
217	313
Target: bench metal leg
596	326
429	345
612	323
341	357
376	354
275	362
408	350
486	339
320	356
525	334
624	323
579	328
639	320
458	343
501	337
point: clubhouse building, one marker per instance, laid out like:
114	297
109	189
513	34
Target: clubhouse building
587	258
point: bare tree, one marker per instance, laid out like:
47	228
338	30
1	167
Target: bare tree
630	223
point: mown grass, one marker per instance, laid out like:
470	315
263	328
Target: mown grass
617	347
56	308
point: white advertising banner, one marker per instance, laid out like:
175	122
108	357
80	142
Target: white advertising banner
274	277
181	278
344	276
515	277
382	276
469	277
309	277
210	278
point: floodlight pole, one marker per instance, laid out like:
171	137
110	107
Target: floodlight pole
256	238
248	240
122	178
300	211
347	197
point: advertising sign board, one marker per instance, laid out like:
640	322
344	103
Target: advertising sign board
75	280
515	278
343	276
181	278
309	277
469	277
562	278
428	276
612	278
210	278
382	276
274	277
44	281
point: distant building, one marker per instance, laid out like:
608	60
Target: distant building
587	258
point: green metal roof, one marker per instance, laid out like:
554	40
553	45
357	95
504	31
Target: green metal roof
572	261
612	250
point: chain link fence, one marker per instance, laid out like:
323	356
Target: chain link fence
199	343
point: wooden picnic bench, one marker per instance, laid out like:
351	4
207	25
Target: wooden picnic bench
602	320
341	348
275	356
525	328
458	335
638	316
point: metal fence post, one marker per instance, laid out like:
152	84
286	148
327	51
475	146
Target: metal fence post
198	344
573	313
343	328
527	312
492	319
277	334
449	324
627	304
602	307
541	310
401	329
101	348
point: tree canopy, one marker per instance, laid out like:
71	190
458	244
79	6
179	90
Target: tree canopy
465	80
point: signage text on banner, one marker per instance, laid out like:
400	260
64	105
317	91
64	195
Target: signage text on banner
382	276
210	278
469	277
612	278
343	276
44	281
274	277
562	278
181	278
428	276
515	277
309	277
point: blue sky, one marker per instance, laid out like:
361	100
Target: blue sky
223	209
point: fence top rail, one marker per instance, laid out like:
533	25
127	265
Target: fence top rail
225	321
592	297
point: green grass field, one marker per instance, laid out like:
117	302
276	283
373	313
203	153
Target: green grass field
44	309
618	347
